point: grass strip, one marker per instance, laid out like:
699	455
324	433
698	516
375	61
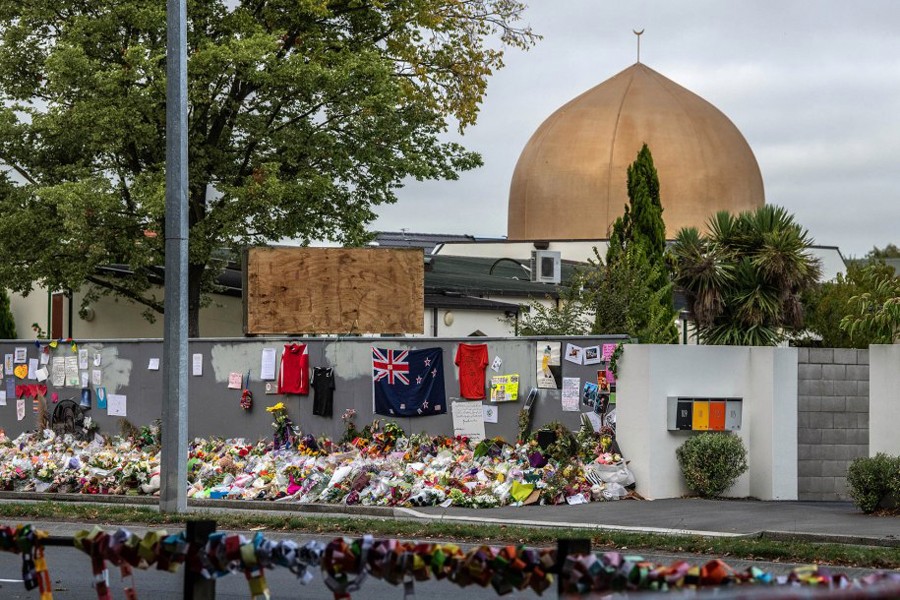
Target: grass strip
747	548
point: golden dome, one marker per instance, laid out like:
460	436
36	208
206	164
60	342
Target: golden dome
570	181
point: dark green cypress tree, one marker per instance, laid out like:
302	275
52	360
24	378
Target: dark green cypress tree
635	294
7	323
642	222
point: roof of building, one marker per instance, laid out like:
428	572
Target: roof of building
457	301
407	239
891	262
570	180
479	276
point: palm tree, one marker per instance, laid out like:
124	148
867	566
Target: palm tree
743	279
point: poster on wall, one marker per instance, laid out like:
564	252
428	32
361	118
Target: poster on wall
8	363
548	365
606	355
505	388
574	354
592	355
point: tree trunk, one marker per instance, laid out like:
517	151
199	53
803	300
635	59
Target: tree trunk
195	278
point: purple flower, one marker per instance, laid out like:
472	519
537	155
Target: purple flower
536	460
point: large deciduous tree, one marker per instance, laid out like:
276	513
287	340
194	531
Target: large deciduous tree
828	306
304	115
744	279
7	323
874	315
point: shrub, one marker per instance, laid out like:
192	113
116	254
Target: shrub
711	462
871	479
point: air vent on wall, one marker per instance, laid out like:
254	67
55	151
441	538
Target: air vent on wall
546	266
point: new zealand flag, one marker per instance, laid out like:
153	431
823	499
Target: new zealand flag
408	383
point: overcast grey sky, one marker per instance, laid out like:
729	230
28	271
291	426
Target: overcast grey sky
814	86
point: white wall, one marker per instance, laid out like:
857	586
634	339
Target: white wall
27	310
464	323
884	399
766	379
121	318
578	250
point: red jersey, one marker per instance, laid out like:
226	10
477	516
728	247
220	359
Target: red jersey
294	375
471	360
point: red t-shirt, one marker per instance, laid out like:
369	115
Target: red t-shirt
294	375
471	360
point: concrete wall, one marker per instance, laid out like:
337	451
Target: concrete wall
764	377
884	404
214	409
833	419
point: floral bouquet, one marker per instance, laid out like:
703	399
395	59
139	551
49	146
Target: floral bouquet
47	471
285	432
350	432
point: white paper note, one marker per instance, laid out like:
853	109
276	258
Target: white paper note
72	379
570	393
468	419
58	372
21	355
42	374
197	365
153	365
97	359
2	397
8	363
97	377
490	413
495	366
116	405
85	378
45	358
234	381
576	499
83	359
32	368
267	366
595	420
20	409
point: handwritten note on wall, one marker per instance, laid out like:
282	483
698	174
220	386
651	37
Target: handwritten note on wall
468	420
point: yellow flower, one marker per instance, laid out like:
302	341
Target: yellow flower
276	408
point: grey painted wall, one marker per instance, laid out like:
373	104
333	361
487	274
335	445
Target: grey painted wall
214	410
833	419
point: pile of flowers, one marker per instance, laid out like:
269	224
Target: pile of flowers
380	466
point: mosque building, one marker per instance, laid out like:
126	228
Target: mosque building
570	180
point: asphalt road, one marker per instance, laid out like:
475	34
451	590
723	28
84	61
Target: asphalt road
71	574
70	571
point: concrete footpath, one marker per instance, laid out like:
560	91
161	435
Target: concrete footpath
839	522
836	521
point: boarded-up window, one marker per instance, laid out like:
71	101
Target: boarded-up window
333	290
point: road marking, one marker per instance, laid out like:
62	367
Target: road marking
528	523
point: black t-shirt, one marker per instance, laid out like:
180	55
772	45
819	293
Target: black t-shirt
323	391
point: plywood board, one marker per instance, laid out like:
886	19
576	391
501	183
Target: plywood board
334	290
